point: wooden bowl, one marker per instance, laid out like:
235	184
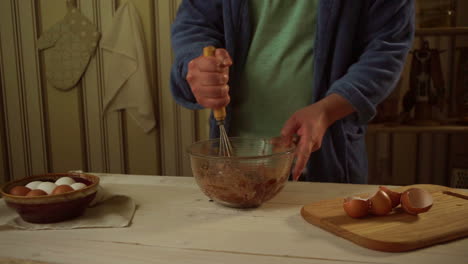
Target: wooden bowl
51	208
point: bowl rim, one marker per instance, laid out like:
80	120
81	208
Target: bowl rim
290	150
86	190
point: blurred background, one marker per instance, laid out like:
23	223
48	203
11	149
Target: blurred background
420	134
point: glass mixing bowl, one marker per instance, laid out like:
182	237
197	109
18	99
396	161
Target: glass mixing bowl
255	173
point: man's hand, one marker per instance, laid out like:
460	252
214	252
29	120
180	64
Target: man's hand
208	78
310	124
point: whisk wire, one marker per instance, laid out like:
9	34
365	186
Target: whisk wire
225	147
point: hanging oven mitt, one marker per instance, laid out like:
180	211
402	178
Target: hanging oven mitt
68	47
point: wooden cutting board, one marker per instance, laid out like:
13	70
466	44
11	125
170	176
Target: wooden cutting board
446	220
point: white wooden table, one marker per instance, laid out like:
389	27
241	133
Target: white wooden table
175	223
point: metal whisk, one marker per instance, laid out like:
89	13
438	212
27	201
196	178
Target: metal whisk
225	148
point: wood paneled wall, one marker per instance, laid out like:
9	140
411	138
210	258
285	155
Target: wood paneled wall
409	155
43	129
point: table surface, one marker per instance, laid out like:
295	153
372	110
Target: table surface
175	223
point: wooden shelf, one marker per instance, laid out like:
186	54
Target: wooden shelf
373	128
442	31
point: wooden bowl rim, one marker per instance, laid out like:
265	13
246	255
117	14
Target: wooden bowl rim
51	198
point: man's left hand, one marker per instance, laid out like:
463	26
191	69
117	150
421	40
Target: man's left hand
310	124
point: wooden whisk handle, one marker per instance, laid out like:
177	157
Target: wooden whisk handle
209	51
220	113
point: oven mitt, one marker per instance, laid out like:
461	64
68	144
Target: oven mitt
68	47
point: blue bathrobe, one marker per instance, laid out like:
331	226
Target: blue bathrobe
359	53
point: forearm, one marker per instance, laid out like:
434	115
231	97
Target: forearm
335	107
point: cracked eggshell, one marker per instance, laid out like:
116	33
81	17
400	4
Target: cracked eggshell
415	201
381	204
356	207
394	196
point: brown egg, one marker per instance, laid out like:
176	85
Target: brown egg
19	190
62	189
36	192
356	207
415	201
381	204
394	196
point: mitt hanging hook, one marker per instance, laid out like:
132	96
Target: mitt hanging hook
71	4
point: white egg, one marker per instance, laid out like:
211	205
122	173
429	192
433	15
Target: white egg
65	181
78	185
33	185
47	187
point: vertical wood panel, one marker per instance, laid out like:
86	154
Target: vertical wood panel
371	154
35	131
91	96
187	130
178	125
383	158
113	127
404	158
169	118
143	148
457	154
63	107
12	94
459	144
440	172
424	158
4	169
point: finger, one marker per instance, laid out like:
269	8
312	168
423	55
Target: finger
224	57
302	156
209	78
218	91
214	103
208	64
290	127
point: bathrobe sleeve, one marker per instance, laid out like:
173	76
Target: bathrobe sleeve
388	35
197	24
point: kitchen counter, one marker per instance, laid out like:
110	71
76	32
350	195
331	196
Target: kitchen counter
175	223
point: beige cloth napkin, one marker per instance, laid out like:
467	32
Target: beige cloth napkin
127	80
106	210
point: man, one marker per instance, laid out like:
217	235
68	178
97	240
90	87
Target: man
316	69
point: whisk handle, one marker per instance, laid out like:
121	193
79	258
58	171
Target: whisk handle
209	51
220	113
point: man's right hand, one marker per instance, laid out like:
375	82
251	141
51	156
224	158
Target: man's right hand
208	78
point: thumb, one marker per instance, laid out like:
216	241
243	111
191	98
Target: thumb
289	131
290	127
223	56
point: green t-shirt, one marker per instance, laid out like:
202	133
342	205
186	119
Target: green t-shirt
278	74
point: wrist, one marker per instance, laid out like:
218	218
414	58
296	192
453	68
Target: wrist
335	107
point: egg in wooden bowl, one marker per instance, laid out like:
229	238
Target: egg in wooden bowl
35	201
